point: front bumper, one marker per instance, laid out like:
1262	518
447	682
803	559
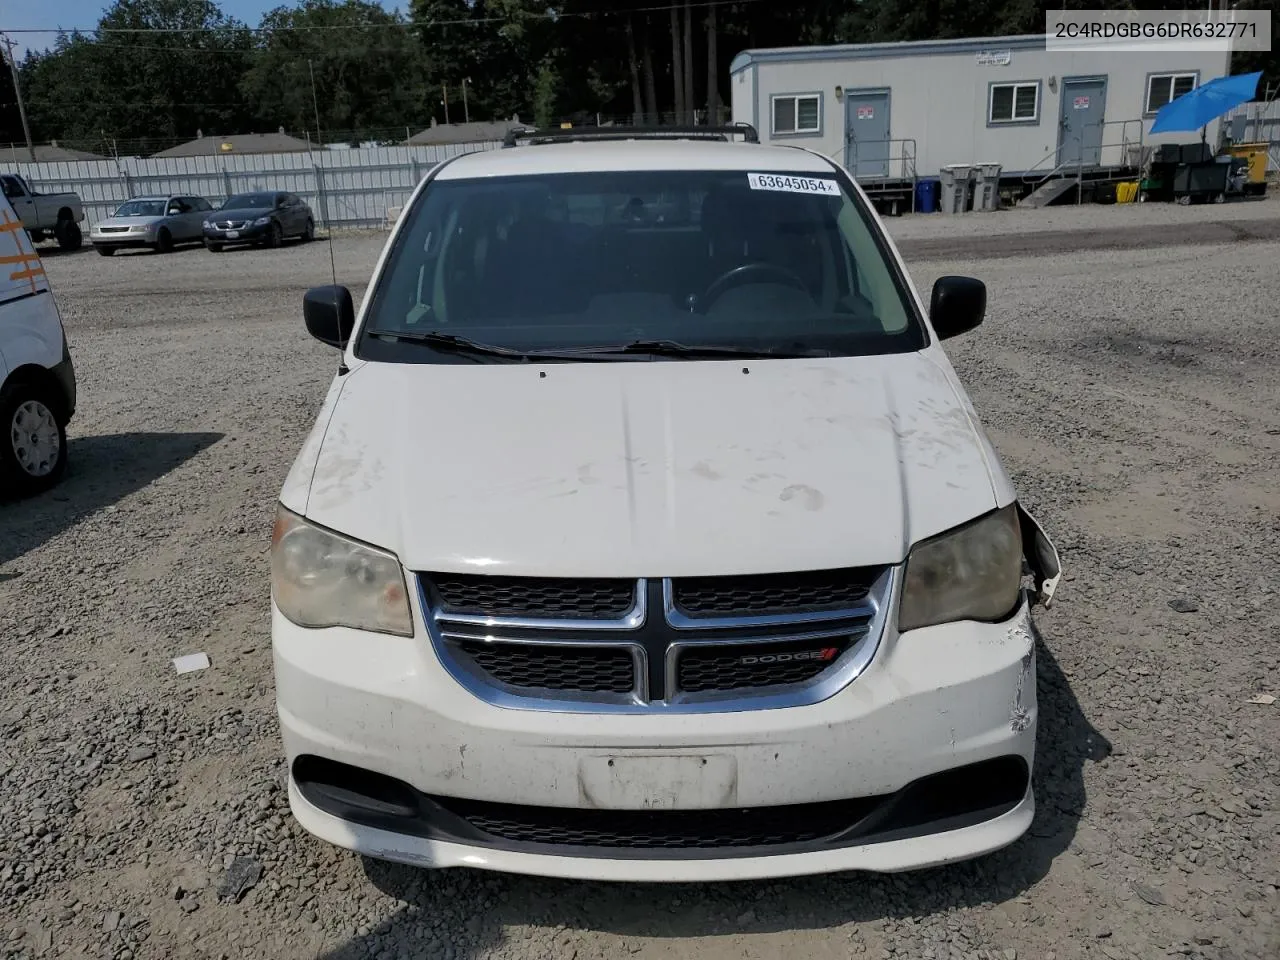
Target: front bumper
933	700
249	234
122	241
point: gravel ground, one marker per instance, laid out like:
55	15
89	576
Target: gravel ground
1132	393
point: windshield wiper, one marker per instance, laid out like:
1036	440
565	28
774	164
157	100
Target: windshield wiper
452	343
694	351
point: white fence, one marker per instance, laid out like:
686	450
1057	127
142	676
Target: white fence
344	187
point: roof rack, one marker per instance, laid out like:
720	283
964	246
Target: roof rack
535	136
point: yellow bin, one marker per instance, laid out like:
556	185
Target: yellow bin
1126	192
1256	154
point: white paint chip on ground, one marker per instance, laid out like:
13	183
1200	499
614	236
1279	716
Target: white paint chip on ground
1263	699
191	662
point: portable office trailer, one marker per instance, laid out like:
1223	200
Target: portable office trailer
899	110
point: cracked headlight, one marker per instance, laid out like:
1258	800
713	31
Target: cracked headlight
971	573
322	579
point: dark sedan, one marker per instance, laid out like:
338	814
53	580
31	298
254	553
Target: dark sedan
262	219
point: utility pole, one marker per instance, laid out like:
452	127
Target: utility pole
17	90
445	88
466	110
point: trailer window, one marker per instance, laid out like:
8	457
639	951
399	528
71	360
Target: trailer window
1163	88
797	113
1014	103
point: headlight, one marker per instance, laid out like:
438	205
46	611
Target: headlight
143	228
321	579
971	573
262	221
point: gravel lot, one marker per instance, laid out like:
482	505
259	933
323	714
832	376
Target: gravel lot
1129	381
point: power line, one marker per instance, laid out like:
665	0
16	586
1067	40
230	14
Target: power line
393	24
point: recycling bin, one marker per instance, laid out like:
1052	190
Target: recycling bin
927	196
986	186
954	178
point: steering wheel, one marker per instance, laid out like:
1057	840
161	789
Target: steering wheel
748	273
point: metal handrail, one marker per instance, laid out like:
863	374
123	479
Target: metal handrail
907	158
1123	144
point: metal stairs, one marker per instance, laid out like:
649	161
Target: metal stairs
1049	192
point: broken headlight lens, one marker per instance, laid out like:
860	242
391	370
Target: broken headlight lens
322	579
971	573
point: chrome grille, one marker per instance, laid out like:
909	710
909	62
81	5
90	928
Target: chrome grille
538	667
772	593
718	666
591	645
589	599
231	224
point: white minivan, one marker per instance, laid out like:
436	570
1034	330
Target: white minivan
37	379
646	533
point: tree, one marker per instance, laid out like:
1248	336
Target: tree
368	71
160	70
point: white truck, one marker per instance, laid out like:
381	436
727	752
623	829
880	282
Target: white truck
45	215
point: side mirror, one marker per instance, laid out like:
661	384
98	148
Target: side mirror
957	306
329	314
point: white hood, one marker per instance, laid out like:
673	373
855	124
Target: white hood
635	469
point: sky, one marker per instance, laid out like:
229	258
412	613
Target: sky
68	14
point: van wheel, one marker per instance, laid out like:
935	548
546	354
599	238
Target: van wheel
33	444
68	235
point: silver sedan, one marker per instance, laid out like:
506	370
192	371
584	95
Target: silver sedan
159	222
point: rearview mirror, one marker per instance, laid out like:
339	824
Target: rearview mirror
957	306
329	314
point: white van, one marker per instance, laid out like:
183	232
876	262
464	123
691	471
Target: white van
37	380
647	533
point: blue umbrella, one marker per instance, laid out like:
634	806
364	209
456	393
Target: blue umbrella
1194	110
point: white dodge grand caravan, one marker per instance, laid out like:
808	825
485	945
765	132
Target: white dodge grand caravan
646	533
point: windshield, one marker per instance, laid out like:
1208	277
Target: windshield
141	208
773	262
250	201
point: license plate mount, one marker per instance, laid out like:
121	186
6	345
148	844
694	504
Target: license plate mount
658	782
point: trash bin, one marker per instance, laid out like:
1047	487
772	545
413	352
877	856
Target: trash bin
986	186
1256	154
927	196
954	178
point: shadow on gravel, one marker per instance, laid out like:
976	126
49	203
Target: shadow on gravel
100	471
462	914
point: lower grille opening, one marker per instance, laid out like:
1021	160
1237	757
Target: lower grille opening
662	829
559	668
949	800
